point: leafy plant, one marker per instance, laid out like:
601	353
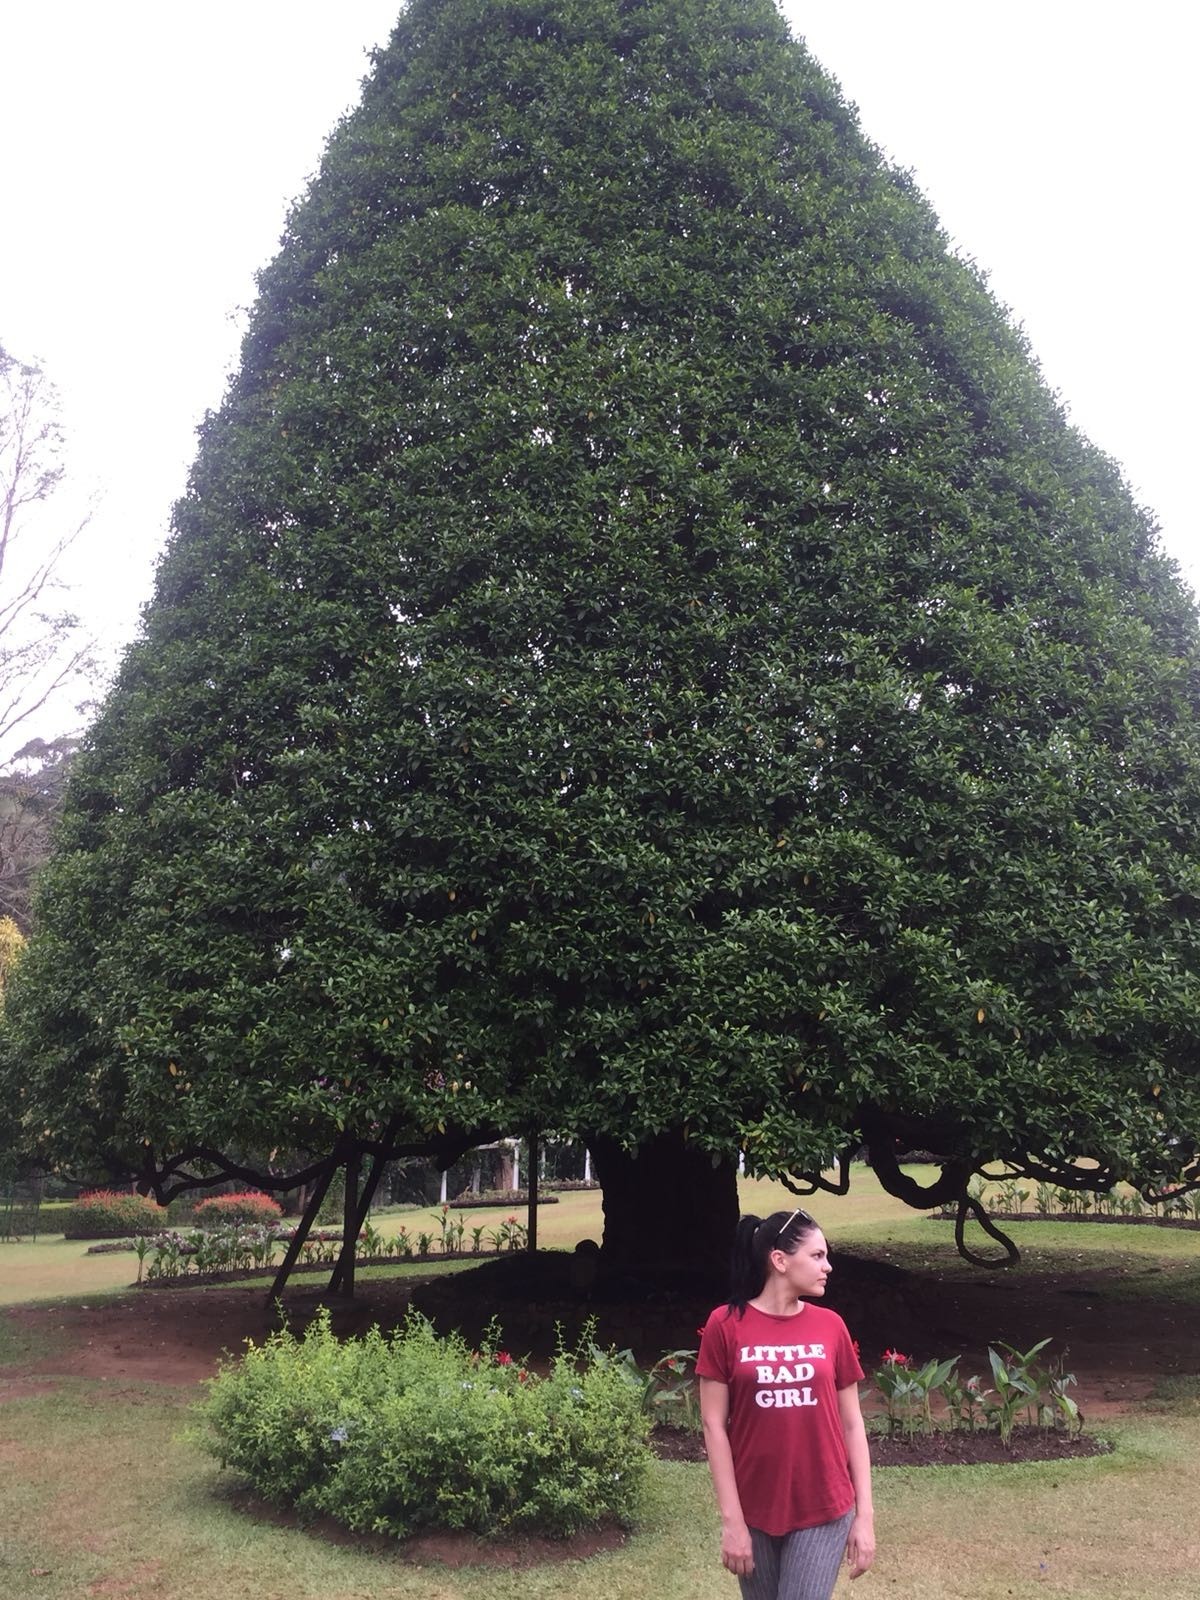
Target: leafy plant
391	1435
908	1391
232	1210
1018	1384
110	1214
674	1394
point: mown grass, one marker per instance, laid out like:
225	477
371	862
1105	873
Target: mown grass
102	1492
866	1219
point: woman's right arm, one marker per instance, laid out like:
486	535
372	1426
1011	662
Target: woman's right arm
736	1552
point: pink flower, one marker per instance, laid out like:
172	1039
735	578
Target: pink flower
896	1359
503	1359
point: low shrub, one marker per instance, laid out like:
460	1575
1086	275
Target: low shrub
397	1434
109	1214
244	1209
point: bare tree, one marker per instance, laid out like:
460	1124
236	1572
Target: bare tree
31	790
41	645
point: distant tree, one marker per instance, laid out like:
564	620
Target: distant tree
31	792
42	648
641	655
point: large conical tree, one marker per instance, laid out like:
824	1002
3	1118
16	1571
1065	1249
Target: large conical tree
641	653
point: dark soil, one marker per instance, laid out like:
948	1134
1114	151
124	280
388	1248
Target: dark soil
944	1448
1119	1346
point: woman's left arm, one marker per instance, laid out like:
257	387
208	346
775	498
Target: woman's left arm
860	1542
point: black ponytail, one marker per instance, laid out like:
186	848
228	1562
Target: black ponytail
753	1242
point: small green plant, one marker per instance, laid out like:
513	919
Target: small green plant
451	1232
141	1247
675	1393
372	1241
908	1391
1018	1386
964	1397
442	1218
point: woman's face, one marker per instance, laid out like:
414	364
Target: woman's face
806	1269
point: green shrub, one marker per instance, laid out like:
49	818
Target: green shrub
108	1214
243	1209
393	1435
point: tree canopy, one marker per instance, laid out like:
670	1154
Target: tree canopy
641	653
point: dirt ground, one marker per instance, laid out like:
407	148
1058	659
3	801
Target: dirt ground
1118	1348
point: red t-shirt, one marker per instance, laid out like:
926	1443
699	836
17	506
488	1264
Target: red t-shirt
785	1430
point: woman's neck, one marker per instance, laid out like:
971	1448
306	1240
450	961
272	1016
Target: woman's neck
777	1300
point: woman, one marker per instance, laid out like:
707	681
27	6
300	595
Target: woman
779	1400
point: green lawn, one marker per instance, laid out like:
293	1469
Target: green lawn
102	1493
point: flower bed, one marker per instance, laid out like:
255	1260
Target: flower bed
1006	1200
920	1415
219	1254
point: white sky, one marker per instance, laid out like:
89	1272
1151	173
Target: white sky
151	151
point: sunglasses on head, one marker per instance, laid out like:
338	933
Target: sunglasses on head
799	1212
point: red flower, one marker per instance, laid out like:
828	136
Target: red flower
896	1359
503	1359
522	1376
700	1332
857	1351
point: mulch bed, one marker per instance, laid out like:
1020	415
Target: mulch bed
957	1448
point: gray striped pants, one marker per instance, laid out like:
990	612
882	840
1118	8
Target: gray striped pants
797	1566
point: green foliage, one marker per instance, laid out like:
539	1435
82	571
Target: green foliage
908	1391
107	1214
1023	1388
392	1435
668	1392
641	649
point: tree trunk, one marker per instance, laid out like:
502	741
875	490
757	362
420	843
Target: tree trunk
315	1196
667	1208
343	1273
531	1215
